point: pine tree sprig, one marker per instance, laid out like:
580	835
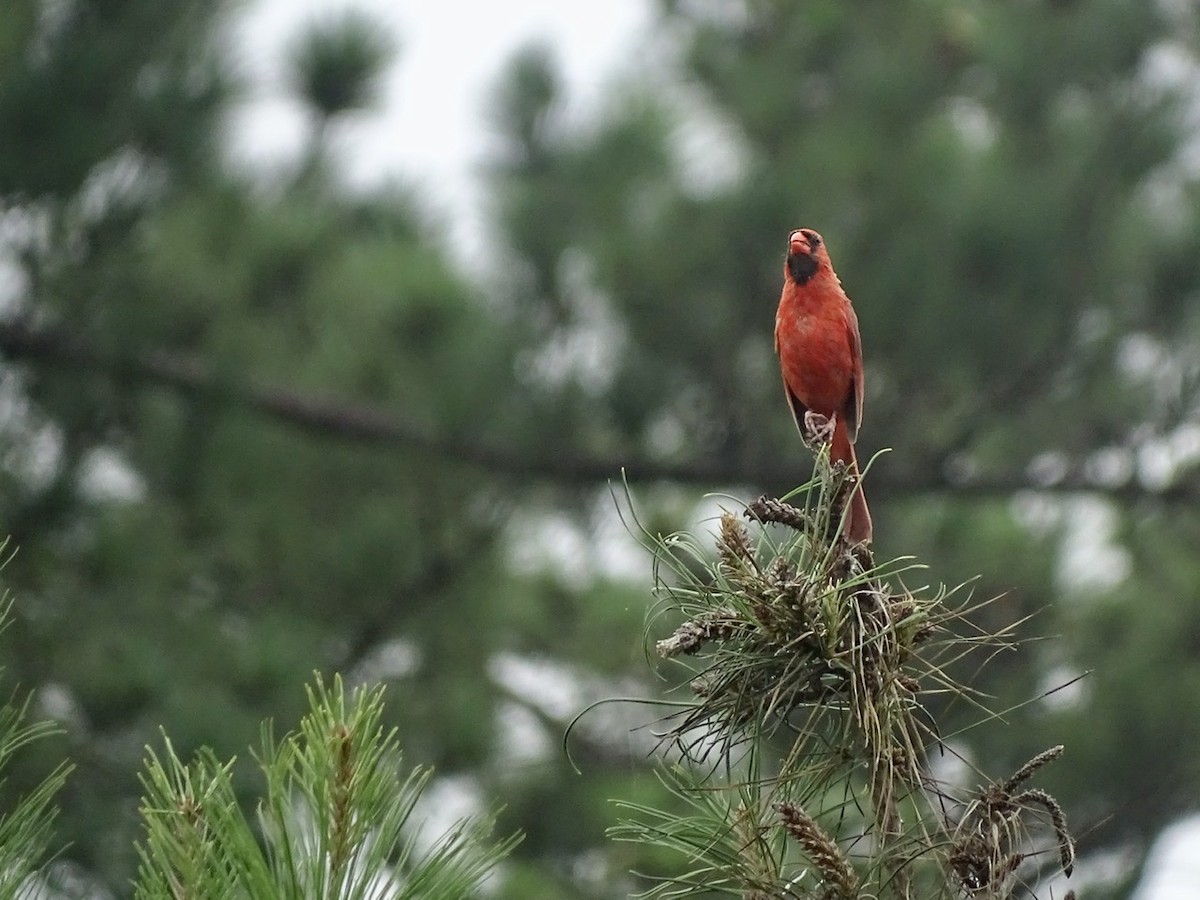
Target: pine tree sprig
799	648
27	826
337	818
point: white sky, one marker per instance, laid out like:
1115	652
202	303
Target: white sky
432	129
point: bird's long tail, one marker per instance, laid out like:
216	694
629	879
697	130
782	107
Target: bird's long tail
858	527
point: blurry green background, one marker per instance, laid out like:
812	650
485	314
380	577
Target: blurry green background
256	423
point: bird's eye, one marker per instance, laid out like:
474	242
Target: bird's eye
814	239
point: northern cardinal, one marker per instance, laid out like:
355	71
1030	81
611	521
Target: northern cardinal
820	353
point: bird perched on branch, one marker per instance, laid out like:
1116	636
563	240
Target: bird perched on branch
820	353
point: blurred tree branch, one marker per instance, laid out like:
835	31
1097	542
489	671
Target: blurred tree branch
341	418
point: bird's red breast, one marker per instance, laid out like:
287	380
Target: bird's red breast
820	352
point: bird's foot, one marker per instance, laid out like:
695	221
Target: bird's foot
818	429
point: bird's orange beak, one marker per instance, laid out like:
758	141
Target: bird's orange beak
798	243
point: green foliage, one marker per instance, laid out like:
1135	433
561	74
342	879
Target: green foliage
27	822
1006	193
337	818
144	94
808	751
27	827
336	65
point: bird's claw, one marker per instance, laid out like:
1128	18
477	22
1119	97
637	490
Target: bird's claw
818	429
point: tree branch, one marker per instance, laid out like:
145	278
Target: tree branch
346	420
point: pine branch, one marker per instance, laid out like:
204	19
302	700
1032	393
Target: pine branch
336	820
27	827
811	670
351	421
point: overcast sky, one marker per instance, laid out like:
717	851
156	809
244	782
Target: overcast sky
432	126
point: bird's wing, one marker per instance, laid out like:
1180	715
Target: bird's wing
798	409
854	402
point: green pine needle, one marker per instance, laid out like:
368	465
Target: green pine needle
337	819
27	828
814	675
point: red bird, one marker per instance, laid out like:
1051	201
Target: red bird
820	353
